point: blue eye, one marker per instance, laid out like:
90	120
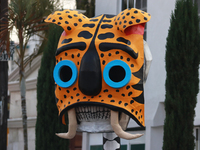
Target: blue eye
117	74
65	73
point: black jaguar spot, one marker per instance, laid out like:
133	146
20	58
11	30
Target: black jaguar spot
78	100
66	40
94	20
136	112
145	18
132	65
109	54
78	63
80	20
72	55
61	101
72	97
75	24
66	22
68	91
118	18
120	23
59	88
123	40
102	100
140	110
91	25
125	21
58	13
69	28
130	22
128	59
68	102
53	20
117	90
135	11
85	34
84	97
123	17
125	104
106	35
124	26
60	18
128	87
78	55
105	26
117	52
112	100
69	16
58	23
132	17
109	96
65	105
120	102
138	20
77	94
128	14
67	12
75	15
106	20
110	16
74	89
99	95
102	55
121	57
60	58
130	93
103	62
123	94
132	110
49	19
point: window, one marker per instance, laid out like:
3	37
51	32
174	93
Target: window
140	4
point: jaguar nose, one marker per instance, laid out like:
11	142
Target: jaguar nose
90	77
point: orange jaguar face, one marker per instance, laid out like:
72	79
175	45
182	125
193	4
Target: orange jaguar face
100	61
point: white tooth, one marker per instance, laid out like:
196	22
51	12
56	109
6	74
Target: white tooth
71	127
117	128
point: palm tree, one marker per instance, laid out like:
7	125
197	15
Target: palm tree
27	17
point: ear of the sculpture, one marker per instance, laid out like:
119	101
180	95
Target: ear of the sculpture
132	21
67	19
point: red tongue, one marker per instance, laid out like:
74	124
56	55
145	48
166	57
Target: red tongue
135	29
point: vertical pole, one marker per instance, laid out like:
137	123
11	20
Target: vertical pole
3	101
3	88
111	141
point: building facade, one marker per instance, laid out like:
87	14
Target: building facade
156	32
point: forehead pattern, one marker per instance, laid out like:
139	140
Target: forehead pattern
104	37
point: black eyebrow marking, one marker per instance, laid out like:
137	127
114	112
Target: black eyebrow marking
121	39
108	46
79	45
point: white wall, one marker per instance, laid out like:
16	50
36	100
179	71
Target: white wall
157	31
107	7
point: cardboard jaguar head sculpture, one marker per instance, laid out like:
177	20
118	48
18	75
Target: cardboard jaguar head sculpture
99	71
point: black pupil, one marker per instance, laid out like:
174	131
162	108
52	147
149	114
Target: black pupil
117	73
65	73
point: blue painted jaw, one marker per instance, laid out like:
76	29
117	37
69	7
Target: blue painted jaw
119	69
61	73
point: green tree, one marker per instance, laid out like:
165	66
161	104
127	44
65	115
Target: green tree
47	114
88	6
182	82
27	17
